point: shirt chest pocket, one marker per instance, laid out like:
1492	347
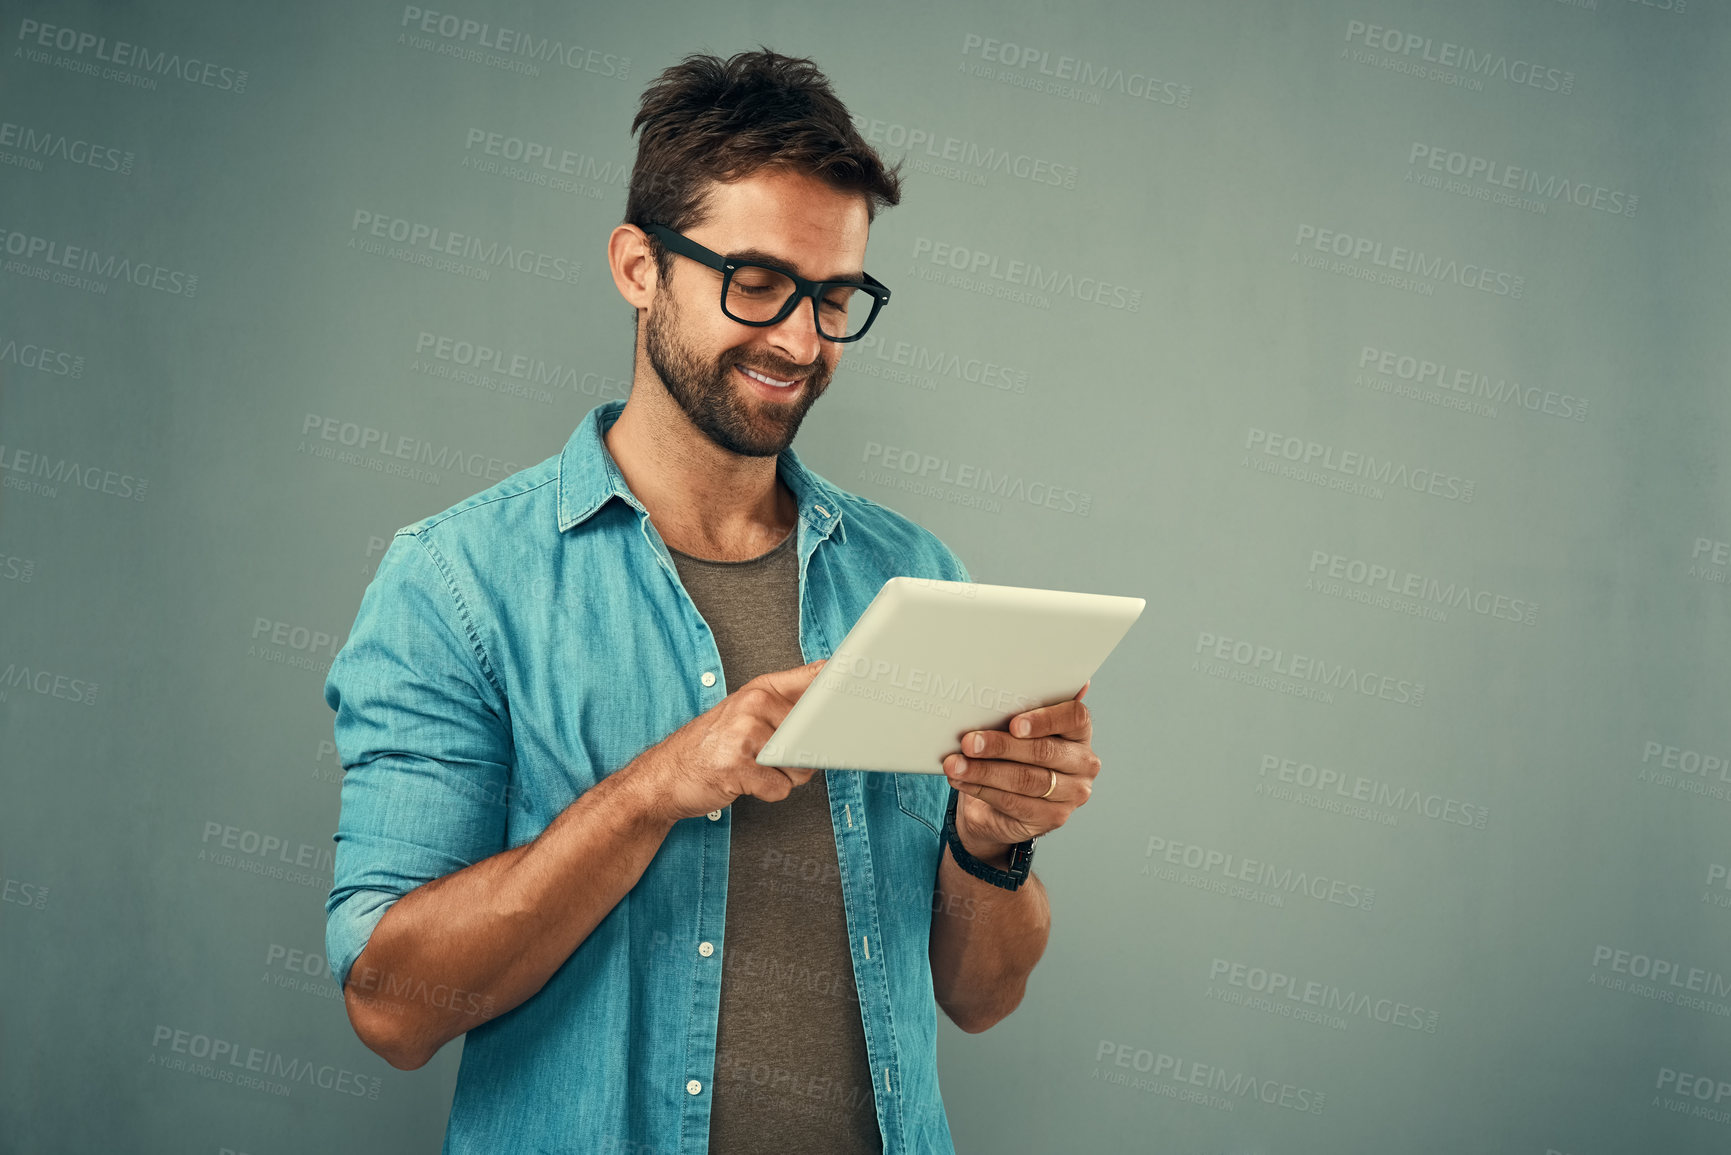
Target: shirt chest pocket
923	797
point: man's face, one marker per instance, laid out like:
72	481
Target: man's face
714	366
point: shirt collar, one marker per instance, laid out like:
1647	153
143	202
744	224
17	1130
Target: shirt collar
589	478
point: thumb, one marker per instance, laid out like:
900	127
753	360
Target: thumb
791	683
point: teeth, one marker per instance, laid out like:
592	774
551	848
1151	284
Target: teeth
756	376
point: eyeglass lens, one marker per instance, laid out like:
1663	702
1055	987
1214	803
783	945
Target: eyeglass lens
757	294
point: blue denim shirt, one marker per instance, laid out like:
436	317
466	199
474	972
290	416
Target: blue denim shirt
511	652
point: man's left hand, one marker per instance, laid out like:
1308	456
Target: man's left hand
1002	775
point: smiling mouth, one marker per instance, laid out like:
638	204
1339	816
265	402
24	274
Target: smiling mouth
773	382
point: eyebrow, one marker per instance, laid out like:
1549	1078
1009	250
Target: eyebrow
759	257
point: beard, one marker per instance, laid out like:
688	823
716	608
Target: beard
711	395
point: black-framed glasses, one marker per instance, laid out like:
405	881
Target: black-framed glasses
758	294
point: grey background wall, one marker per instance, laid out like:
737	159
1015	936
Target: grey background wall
1380	346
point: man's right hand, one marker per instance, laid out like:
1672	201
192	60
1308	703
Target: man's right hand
712	759
498	928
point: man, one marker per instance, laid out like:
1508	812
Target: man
554	836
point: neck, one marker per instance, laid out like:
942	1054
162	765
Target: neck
704	500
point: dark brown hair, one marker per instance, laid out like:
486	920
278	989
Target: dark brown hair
707	119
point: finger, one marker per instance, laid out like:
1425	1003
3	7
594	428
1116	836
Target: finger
776	782
1034	813
981	819
1064	755
799	760
1021	778
796	775
776	693
1084	689
789	684
1068	719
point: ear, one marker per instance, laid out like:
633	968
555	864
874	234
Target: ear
632	262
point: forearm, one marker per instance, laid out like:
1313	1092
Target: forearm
470	946
985	941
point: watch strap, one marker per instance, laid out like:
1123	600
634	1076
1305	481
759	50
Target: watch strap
1021	854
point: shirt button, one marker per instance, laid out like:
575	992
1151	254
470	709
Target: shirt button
705	949
715	815
708	678
693	1087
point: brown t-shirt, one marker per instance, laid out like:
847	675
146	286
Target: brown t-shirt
791	1074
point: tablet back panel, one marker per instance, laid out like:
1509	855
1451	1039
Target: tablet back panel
930	660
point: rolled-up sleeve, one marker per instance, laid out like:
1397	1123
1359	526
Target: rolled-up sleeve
423	735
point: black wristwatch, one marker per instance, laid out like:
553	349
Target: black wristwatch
1021	854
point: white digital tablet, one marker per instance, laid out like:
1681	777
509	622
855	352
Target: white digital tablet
929	661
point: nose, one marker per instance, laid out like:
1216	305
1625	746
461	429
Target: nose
795	335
